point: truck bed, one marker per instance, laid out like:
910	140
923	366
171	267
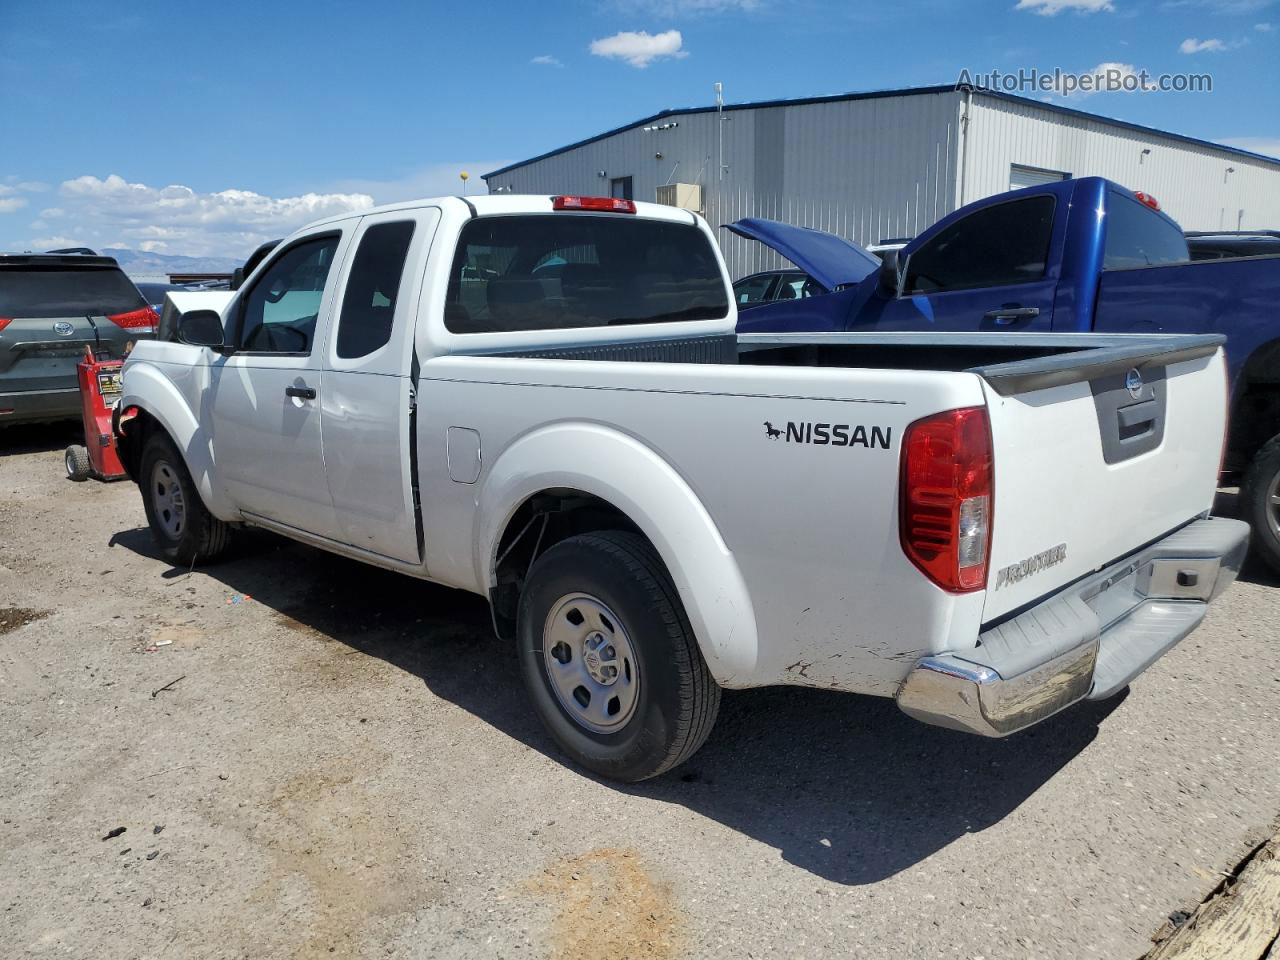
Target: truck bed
1011	362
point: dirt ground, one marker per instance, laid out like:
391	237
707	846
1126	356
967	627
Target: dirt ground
292	755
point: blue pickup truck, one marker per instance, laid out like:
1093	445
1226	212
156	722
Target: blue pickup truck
1075	256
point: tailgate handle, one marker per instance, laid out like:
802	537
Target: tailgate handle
1012	313
1137	420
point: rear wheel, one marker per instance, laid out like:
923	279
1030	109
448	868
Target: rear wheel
182	527
78	466
609	659
1260	498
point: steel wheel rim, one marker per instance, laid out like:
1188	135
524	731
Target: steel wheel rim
69	460
1273	505
590	663
167	501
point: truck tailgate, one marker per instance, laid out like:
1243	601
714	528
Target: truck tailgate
1096	455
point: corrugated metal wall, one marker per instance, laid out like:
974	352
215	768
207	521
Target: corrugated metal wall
1191	182
880	167
864	169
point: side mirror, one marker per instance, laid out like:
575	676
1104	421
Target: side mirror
201	328
237	278
890	274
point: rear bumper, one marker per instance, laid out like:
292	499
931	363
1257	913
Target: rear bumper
33	406
1086	642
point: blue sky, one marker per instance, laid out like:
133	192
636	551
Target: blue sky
204	128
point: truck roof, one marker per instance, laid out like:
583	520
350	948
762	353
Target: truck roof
490	205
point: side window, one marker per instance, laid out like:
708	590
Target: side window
279	314
997	246
752	289
369	305
1137	236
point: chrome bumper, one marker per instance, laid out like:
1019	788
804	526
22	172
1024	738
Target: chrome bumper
1086	642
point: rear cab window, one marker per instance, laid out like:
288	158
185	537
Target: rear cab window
64	290
560	271
1138	236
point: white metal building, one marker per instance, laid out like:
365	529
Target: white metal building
881	165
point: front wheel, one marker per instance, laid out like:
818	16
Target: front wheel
1260	501
184	530
609	659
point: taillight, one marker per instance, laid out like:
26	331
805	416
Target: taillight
5	321
600	204
135	319
946	497
1148	199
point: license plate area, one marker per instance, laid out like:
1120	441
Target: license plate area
1179	579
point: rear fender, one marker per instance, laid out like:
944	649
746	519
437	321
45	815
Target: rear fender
153	393
623	472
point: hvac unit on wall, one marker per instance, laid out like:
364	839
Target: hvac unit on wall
686	195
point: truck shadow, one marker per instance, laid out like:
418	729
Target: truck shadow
843	786
39	437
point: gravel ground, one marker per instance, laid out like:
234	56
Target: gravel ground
311	758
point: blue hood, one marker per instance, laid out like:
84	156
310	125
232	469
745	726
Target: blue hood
832	261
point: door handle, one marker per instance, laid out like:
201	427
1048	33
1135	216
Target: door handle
1012	314
302	393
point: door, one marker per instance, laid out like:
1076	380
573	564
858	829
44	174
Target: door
989	270
367	418
266	410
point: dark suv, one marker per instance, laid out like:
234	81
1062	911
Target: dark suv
53	305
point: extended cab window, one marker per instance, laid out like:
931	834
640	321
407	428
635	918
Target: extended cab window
1137	236
997	246
556	271
369	305
280	311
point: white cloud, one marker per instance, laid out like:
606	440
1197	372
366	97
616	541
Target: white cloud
1194	45
1264	27
1109	77
546	61
1269	146
684	8
114	212
436	180
1051	8
640	48
12	190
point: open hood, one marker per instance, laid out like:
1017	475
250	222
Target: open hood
832	261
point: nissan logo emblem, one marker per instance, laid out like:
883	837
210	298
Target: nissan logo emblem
64	329
1133	383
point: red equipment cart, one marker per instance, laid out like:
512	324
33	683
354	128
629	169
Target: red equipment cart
99	387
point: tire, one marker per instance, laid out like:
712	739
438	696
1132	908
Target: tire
184	530
79	468
1260	502
650	700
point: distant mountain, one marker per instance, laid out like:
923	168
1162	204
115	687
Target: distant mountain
158	266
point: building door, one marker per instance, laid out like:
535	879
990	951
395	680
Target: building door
620	187
1020	176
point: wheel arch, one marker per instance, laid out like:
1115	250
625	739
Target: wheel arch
622	485
152	402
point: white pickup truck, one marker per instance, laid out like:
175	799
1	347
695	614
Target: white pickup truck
543	400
